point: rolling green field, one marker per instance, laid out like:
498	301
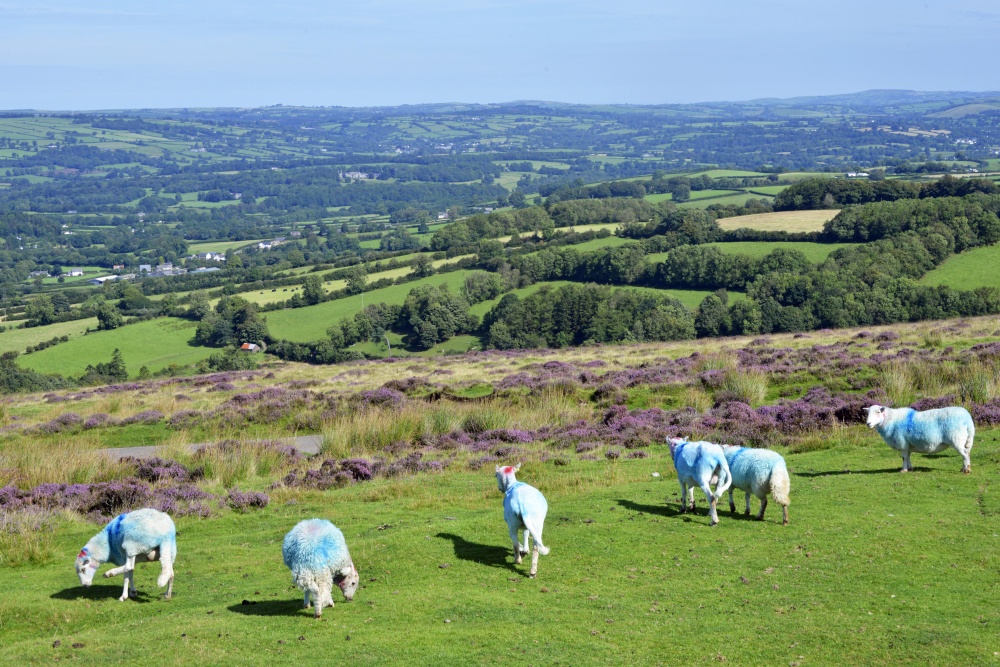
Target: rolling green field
155	344
311	322
218	246
736	199
979	267
786	221
814	252
17	340
876	568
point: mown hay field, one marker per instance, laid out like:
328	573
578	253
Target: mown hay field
781	221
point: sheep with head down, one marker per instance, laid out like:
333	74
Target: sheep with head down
316	553
145	535
927	432
759	472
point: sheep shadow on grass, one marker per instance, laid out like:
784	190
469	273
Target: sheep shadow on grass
97	593
272	608
880	471
670	510
490	555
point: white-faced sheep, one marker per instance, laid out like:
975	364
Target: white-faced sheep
698	464
759	472
524	507
907	430
316	553
144	535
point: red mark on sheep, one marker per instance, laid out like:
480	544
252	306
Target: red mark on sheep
508	470
82	554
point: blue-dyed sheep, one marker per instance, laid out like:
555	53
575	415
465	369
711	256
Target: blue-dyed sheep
144	535
760	472
699	464
524	507
316	553
907	430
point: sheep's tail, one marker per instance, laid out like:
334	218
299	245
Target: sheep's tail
781	485
536	535
725	479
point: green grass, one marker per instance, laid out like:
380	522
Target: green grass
311	322
736	199
876	568
217	246
814	252
154	343
968	270
597	244
18	339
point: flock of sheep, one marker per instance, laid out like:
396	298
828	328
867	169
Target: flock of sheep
316	552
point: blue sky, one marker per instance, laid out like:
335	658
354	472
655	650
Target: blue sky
101	54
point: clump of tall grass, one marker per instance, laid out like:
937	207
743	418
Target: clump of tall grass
747	385
238	461
896	379
723	360
696	398
977	382
373	429
26	463
488	418
26	537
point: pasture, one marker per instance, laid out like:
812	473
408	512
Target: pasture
814	252
155	344
852	580
737	199
311	322
781	221
16	340
968	270
218	246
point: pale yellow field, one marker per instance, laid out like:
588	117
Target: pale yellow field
781	221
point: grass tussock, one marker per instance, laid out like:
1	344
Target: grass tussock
695	398
240	461
896	379
749	386
26	538
977	382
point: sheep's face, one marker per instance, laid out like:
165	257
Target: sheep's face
348	582
505	477
876	415
86	567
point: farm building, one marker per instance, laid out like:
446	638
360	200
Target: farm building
250	347
73	273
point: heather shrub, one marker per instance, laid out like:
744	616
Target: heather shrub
241	501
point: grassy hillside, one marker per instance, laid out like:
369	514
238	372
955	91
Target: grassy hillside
781	221
311	322
979	267
18	339
870	564
814	252
155	344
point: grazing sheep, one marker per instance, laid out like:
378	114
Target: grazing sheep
316	553
907	430
144	535
760	472
524	507
699	464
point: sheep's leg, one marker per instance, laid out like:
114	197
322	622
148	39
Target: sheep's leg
321	596
712	503
691	496
305	600
747	511
524	545
534	560
763	506
965	450
517	545
784	515
129	570
906	461
732	505
114	572
684	494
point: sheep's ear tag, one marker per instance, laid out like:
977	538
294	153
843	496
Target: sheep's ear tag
517	467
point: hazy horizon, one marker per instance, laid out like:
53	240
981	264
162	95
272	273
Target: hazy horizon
109	55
